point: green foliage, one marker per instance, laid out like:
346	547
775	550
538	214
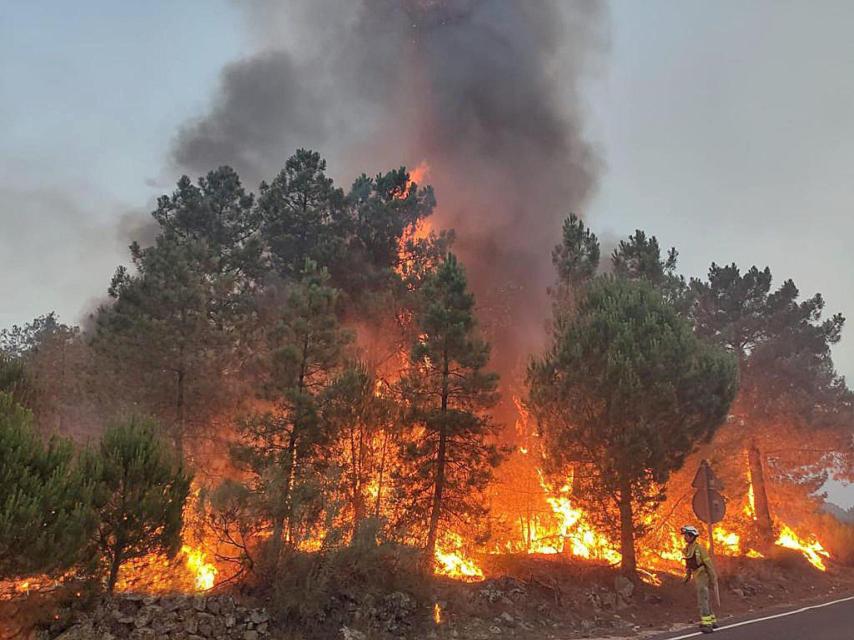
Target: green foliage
639	258
46	365
304	217
139	494
783	345
181	323
447	393
793	411
576	258
45	516
356	237
623	395
221	215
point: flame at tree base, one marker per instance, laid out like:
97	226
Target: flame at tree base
204	572
451	561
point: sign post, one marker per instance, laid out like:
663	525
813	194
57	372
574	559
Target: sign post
709	506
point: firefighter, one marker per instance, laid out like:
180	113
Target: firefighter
699	566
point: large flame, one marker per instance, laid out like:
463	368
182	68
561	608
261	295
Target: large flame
812	549
451	560
205	573
577	535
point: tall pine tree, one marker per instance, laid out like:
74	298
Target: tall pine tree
449	458
283	442
624	393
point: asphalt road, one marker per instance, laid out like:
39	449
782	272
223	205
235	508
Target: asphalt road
832	620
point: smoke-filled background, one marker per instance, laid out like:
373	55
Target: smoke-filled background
720	127
475	90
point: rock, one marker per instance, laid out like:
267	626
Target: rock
738	592
609	599
495	630
352	634
652	598
624	587
191	625
199	603
507	619
77	632
257	616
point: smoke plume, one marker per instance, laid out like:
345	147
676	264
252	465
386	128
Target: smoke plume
486	92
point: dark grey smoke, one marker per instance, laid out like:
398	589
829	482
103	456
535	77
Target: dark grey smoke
485	91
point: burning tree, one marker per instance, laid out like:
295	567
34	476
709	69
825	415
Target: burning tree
448	460
283	445
622	396
365	416
139	495
793	413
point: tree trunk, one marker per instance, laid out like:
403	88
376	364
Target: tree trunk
356	478
764	525
440	469
179	414
628	564
282	513
437	495
115	563
381	478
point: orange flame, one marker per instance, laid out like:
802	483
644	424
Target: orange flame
204	572
812	549
577	535
450	560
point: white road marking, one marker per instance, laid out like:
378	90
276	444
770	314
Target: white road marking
752	621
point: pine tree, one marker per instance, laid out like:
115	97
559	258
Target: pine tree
139	494
576	258
639	258
48	368
181	323
45	513
364	414
303	216
283	446
624	393
793	412
448	459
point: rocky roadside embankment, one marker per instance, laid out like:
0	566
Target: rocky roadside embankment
136	617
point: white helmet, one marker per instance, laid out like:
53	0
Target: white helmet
690	530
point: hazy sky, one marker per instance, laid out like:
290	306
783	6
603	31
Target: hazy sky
725	128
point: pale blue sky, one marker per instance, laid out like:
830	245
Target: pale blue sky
725	128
